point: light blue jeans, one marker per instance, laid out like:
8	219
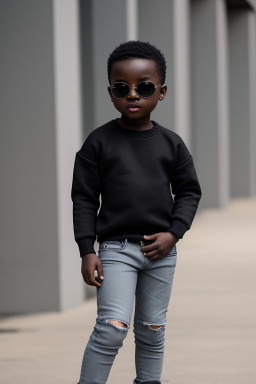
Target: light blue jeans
128	274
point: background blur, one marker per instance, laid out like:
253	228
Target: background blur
53	92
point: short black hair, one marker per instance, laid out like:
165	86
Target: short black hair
138	49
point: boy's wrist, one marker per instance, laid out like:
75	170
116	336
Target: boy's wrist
178	228
85	256
175	236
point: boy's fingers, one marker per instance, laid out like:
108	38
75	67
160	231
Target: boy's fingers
92	280
148	248
151	237
150	255
86	278
96	283
100	271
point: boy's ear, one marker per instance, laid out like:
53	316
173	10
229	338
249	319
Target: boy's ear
163	91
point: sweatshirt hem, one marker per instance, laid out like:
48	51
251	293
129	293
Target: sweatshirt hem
128	236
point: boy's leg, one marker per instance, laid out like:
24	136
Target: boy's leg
115	300
152	298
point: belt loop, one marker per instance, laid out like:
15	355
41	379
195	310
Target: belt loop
124	242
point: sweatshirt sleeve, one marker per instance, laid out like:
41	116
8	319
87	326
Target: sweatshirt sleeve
186	190
85	196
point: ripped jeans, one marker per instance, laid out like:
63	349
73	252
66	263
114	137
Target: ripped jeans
128	274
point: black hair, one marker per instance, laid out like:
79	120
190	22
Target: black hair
138	49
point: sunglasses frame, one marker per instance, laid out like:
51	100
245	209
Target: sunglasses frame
132	86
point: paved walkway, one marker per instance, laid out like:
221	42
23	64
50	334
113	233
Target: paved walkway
211	332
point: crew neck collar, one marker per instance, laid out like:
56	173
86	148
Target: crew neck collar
134	133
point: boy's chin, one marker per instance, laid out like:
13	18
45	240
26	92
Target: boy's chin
134	115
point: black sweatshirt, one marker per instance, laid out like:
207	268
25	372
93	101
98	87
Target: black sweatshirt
136	173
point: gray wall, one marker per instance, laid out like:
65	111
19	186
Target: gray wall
68	116
40	132
106	24
29	250
209	98
53	92
152	27
242	44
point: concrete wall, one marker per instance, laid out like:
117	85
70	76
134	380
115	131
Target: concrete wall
29	248
39	112
209	98
104	25
242	44
172	23
68	131
53	92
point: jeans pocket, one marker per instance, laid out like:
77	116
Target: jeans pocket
113	245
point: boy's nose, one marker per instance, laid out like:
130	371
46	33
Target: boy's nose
133	93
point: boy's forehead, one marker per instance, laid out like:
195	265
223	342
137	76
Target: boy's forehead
135	67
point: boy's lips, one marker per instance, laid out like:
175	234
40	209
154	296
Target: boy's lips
133	107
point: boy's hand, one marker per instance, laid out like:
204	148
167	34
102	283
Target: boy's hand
163	244
90	264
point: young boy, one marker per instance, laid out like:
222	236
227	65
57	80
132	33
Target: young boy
132	162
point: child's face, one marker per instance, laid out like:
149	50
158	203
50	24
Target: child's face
132	72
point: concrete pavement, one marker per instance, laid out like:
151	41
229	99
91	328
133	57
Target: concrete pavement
211	328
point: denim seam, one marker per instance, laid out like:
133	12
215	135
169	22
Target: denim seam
138	359
99	301
147	263
87	351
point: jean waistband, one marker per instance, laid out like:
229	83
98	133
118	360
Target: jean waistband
140	242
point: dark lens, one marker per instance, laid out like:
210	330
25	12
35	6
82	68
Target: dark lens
120	90
146	89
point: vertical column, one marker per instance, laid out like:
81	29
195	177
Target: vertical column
169	31
181	75
87	73
131	19
156	28
252	50
109	29
29	279
40	132
104	25
242	102
67	102
209	97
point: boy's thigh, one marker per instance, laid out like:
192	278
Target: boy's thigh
154	288
115	297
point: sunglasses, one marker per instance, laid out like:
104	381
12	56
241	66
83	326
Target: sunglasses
144	89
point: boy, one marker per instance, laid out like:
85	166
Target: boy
132	162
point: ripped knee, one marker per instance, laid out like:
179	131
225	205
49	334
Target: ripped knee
120	324
154	327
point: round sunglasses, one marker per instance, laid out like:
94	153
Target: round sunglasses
144	89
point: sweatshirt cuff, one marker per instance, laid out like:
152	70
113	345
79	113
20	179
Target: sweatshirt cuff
178	228
86	245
